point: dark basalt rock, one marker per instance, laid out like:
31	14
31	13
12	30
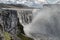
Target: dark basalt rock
9	22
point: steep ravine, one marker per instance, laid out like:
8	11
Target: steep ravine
9	22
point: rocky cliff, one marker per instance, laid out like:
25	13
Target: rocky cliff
9	22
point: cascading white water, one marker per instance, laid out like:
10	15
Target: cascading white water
46	24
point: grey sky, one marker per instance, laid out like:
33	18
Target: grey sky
13	1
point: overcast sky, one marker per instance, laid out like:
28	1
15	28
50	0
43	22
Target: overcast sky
31	3
18	1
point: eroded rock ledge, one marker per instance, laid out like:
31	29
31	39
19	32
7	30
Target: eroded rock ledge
9	22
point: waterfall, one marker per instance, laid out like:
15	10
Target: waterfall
25	16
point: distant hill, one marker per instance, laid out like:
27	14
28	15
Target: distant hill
12	5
